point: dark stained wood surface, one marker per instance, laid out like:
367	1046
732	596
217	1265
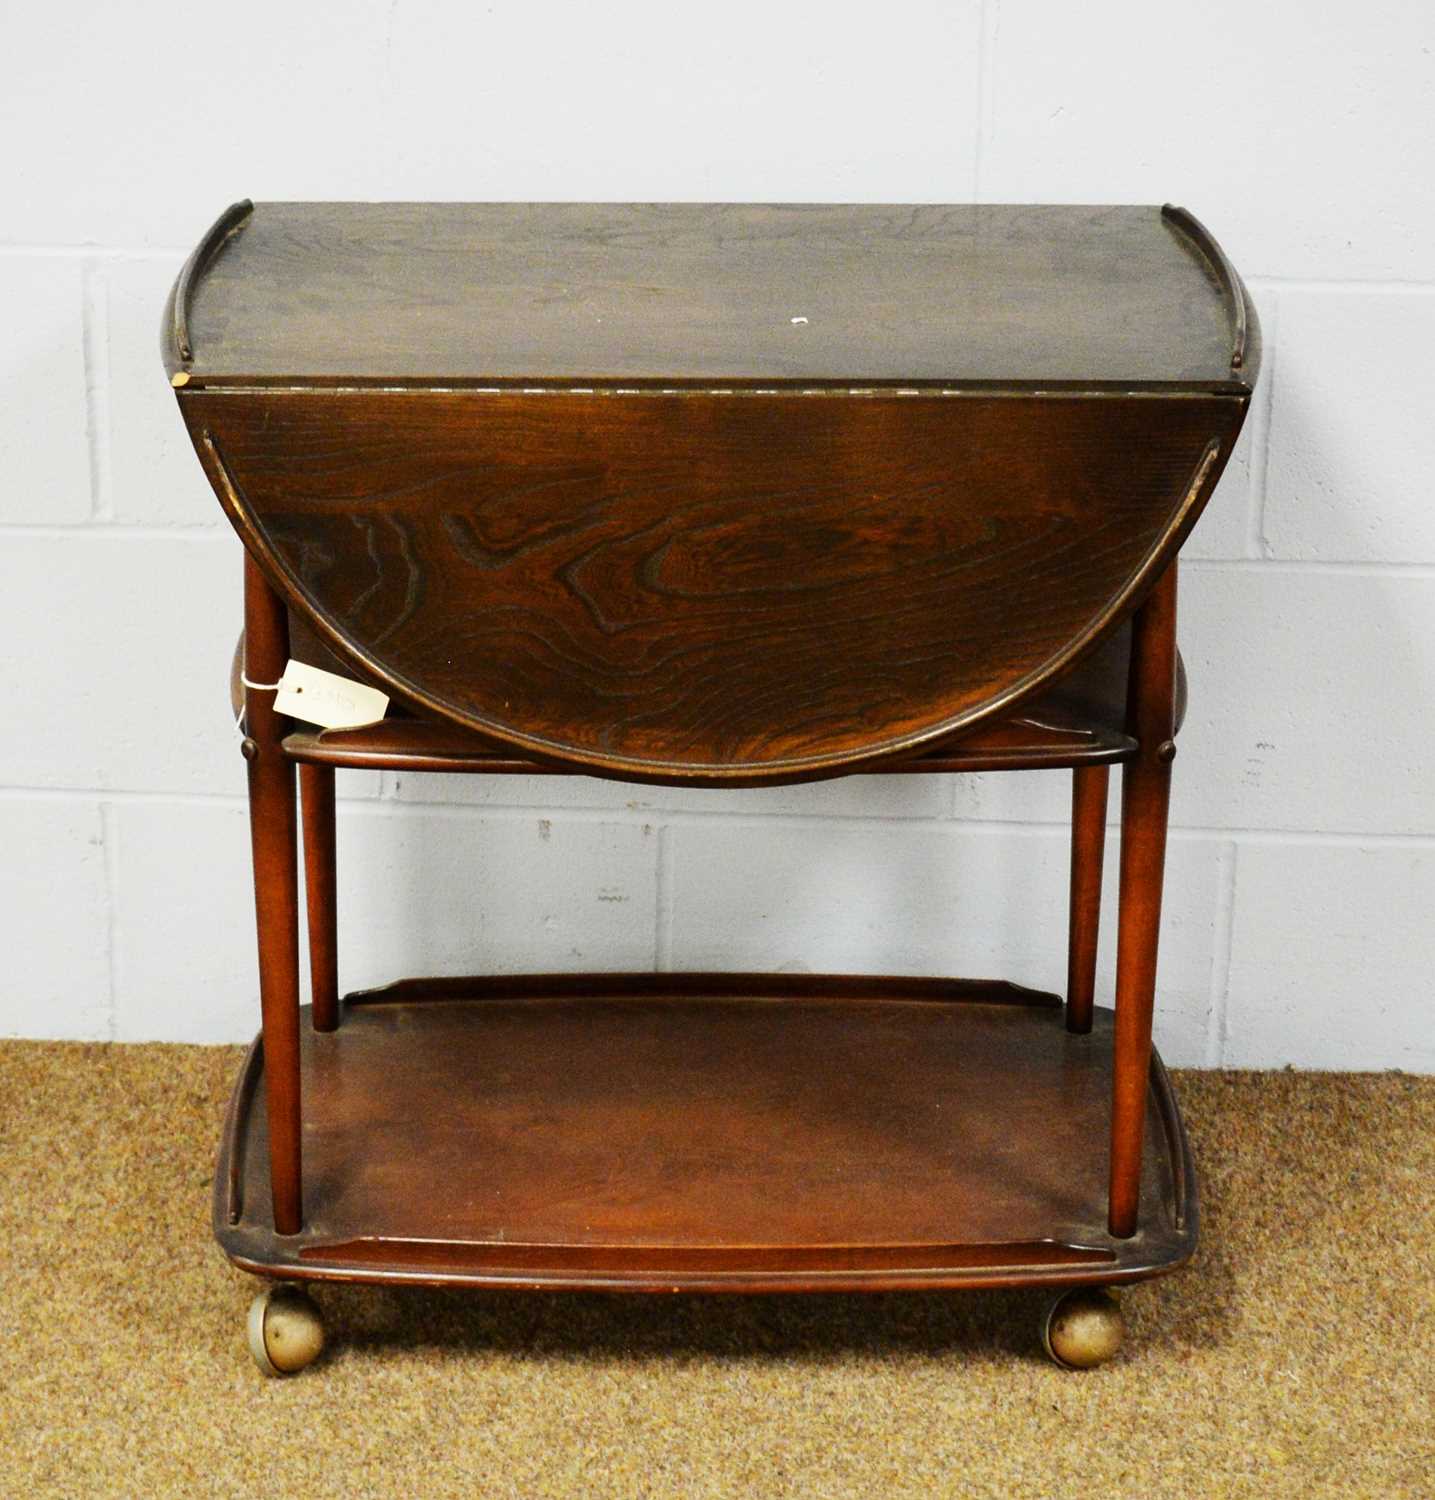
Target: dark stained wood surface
1025	743
756	587
709	1132
590	487
1079	721
316	798
1088	851
1145	805
272	831
962	294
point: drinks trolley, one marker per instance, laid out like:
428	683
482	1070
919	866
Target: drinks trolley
719	496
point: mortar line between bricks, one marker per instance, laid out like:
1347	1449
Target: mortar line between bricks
120	531
518	812
651	811
1307	567
1223	937
674	818
1261	442
663	914
94	322
1387	284
60	251
986	21
636	816
109	835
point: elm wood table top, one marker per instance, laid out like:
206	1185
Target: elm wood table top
692	292
485	452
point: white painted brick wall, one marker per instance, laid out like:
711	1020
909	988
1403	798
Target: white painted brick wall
1351	462
115	667
1301	131
54	894
154	477
1338	935
946	898
44	450
1298	922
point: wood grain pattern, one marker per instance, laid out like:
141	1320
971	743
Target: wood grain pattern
756	587
715	495
1088	848
758	1133
316	798
273	841
1079	720
1145	802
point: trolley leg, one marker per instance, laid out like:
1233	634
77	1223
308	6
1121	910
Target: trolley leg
316	795
272	826
1088	848
1145	799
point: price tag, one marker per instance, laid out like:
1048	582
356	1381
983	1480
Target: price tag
326	699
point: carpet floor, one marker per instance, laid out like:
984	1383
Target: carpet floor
1294	1357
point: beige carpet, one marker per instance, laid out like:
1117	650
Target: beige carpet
1294	1357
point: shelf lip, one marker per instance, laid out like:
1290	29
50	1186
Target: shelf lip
1230	282
231	1182
178	345
331	748
698	984
650	1268
382	1262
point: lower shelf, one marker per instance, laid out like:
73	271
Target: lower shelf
661	1132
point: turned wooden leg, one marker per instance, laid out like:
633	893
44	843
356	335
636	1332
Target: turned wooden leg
316	795
272	826
1145	791
1088	848
1145	798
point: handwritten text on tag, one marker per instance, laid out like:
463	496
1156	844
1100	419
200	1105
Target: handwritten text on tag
326	699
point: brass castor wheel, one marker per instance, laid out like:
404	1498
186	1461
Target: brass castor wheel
1083	1328
285	1329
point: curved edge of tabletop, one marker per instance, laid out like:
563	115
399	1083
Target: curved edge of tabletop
1120	605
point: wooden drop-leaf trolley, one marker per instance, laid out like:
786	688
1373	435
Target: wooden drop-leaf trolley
713	496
